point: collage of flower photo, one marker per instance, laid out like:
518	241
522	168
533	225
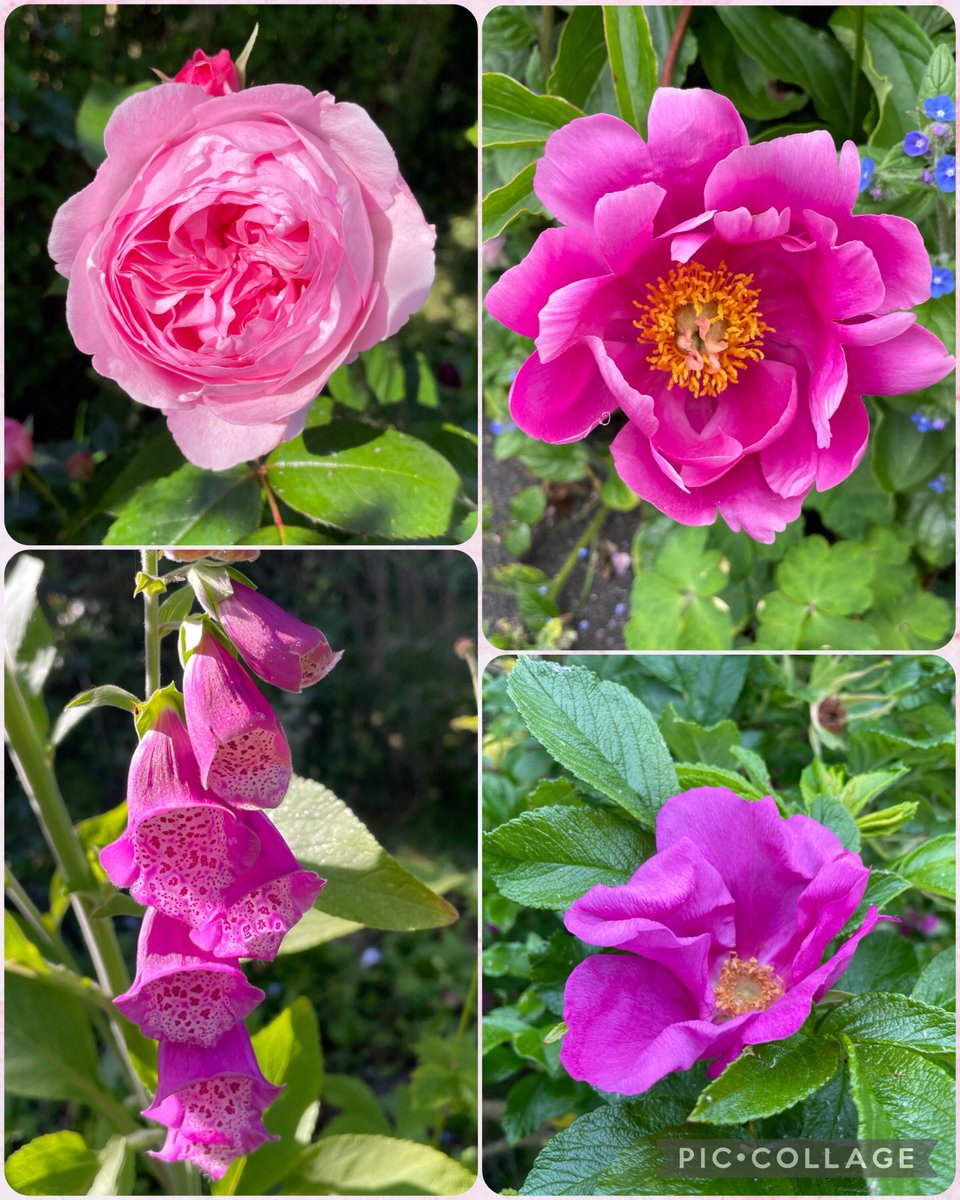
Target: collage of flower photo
479	600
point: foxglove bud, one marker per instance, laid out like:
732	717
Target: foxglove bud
182	849
243	755
180	993
265	903
212	1100
276	646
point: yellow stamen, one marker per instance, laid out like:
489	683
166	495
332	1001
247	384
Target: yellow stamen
745	985
704	326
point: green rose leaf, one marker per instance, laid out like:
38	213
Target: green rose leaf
899	1020
364	883
549	857
597	730
768	1080
932	867
937	984
354	477
190	507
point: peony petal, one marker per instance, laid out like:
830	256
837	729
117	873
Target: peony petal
913	360
624	224
640	471
747	502
585	160
560	401
902	259
849	434
558	257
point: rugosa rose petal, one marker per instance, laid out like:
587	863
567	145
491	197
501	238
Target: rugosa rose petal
212	1099
722	935
722	262
233	251
217	74
181	994
265	903
241	750
182	849
276	646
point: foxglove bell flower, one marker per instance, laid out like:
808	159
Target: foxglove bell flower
264	903
182	850
242	752
719	940
181	993
276	646
725	298
212	1100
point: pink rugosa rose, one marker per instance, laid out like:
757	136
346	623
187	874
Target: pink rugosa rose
725	298
180	993
264	903
182	849
242	752
17	447
218	76
276	646
232	252
212	1100
721	936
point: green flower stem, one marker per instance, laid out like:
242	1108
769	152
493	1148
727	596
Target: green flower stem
570	562
49	941
546	38
858	19
150	561
40	785
39	486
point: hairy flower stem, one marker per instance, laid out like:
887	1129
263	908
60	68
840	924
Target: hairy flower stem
149	564
570	562
42	790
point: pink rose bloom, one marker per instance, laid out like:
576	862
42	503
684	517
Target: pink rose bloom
725	298
218	76
17	447
720	939
232	252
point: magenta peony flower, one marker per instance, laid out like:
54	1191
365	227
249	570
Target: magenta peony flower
232	252
722	935
218	76
182	849
242	752
725	298
212	1100
17	447
276	646
264	903
181	994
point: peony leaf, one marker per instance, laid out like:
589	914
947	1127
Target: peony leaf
515	116
364	883
367	481
633	61
549	857
56	1164
767	1080
369	1164
190	506
741	78
902	455
597	730
901	1094
504	204
581	55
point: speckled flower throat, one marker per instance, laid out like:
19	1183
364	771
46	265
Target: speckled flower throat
704	325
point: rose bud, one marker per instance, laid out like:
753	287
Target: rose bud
218	76
181	994
212	1100
17	447
242	752
276	646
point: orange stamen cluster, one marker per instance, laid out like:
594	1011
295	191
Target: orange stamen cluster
745	985
704	326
